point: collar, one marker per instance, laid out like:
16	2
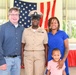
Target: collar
18	25
39	29
56	32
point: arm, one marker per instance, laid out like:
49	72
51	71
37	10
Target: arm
64	73
22	54
66	49
65	53
3	65
46	47
46	53
48	72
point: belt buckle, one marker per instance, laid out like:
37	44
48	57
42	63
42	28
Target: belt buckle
14	56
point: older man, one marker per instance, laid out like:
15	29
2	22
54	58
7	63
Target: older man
10	44
34	46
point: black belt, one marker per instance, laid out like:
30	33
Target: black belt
12	56
33	50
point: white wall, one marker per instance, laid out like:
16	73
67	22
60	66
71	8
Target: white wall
72	46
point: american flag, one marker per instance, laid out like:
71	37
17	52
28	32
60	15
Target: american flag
47	8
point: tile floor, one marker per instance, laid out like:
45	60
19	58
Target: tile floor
71	69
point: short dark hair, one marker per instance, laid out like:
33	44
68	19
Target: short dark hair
49	21
55	49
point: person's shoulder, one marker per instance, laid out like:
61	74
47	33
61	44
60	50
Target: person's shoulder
49	33
22	27
50	61
4	25
42	29
62	31
26	29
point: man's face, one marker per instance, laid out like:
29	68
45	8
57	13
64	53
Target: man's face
14	16
35	22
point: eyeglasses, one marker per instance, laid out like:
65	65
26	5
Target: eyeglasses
14	14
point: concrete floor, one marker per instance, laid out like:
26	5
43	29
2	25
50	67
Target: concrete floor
71	69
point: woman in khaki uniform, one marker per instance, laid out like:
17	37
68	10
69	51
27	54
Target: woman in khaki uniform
34	46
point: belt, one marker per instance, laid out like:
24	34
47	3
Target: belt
12	56
33	50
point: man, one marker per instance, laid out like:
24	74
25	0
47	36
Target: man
34	46
10	44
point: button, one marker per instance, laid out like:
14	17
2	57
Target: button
16	33
16	48
16	37
16	43
15	53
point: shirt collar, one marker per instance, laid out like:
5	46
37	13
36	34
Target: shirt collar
13	24
56	32
39	28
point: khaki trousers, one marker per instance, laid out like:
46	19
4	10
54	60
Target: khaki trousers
34	62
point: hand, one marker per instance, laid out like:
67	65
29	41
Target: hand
22	61
22	64
46	64
60	64
3	67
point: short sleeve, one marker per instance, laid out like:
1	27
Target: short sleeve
45	38
65	36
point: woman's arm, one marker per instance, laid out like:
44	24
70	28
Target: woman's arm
66	49
61	62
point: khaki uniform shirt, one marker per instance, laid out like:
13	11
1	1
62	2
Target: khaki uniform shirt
34	40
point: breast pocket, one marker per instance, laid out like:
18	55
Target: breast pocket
40	37
28	38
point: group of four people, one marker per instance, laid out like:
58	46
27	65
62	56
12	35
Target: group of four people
32	47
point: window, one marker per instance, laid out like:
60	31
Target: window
4	6
69	19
